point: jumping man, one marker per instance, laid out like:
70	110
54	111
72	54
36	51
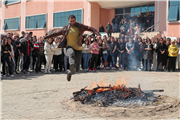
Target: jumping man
72	42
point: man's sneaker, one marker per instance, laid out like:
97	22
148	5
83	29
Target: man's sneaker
94	69
4	75
89	69
68	75
139	69
12	75
49	72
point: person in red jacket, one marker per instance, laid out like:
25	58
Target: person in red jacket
39	50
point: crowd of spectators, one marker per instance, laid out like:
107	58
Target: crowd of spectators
27	53
129	25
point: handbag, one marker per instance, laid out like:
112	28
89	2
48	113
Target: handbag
105	52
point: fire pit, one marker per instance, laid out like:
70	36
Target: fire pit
119	101
116	95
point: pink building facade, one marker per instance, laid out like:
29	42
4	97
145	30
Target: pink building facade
42	16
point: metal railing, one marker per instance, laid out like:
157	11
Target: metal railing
151	27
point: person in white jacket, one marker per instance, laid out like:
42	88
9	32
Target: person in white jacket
57	57
48	51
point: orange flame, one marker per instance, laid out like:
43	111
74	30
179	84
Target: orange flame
118	85
102	83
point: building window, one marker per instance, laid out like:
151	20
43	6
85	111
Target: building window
7	2
11	24
61	18
134	11
36	21
174	11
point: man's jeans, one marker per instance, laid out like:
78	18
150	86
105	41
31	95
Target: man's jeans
86	57
105	56
114	28
147	64
121	60
113	55
74	58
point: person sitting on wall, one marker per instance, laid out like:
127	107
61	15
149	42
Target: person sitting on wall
101	28
72	42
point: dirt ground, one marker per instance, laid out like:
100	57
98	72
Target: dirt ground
40	96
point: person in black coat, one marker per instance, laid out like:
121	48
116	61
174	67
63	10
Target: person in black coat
109	28
6	50
101	28
137	53
161	53
121	53
148	55
26	49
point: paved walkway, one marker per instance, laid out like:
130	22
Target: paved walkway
38	96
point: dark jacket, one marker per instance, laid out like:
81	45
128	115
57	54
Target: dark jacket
113	20
137	49
121	47
24	47
4	48
148	54
64	31
101	29
112	46
161	47
117	20
109	28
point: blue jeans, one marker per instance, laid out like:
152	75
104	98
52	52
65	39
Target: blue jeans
147	64
6	59
117	28
121	60
114	27
113	56
105	56
86	57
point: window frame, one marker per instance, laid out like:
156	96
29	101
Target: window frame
67	11
178	21
36	21
147	5
13	29
12	2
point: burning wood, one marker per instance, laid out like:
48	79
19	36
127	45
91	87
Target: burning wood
114	94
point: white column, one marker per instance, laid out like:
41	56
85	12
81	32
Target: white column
49	17
23	16
2	16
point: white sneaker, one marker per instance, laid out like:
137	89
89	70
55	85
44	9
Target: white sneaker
49	72
11	75
4	76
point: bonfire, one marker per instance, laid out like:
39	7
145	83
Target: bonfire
116	94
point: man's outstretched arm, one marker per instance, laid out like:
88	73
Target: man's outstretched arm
54	34
88	28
